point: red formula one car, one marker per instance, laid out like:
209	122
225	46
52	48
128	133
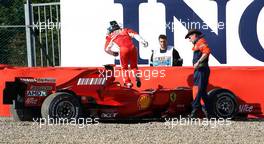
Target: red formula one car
91	94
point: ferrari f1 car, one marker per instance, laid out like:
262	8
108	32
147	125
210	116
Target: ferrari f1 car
90	94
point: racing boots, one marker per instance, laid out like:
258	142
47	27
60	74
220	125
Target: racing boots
193	113
196	113
128	85
205	112
138	82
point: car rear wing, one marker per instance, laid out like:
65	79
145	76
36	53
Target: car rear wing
22	84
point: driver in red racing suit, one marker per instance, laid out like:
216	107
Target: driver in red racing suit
122	37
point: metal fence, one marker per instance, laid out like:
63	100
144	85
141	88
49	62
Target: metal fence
30	35
43	34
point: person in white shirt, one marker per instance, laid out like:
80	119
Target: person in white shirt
165	55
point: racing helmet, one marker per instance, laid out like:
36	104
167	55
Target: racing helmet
113	26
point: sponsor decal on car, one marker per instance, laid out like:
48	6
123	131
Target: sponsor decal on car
36	93
109	115
38	80
144	101
45	80
27	80
180	106
173	96
91	81
245	108
31	101
41	88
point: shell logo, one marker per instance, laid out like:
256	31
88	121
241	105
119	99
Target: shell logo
144	101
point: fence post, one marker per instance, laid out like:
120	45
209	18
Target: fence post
29	34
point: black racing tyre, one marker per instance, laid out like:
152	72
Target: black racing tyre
23	114
222	103
18	110
61	105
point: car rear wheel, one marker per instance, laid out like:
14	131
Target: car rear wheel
222	104
61	106
20	113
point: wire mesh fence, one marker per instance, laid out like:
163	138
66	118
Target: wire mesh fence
13	39
13	46
12	33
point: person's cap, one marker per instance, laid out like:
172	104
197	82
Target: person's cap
193	31
113	26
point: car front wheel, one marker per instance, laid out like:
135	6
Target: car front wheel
222	103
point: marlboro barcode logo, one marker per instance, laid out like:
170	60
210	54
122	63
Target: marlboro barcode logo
91	81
